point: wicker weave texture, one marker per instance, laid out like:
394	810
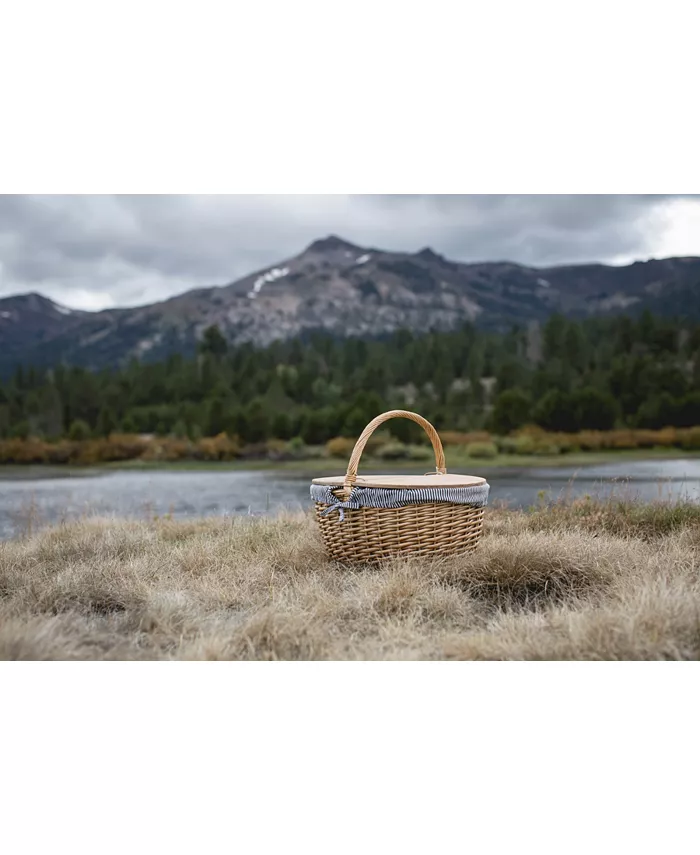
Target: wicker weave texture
369	534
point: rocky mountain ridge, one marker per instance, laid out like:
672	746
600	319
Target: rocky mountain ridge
344	289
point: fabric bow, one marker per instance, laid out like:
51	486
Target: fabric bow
339	506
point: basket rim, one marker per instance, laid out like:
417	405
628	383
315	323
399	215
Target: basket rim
405	481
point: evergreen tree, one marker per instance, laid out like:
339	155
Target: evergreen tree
512	409
281	426
594	409
128	424
590	374
555	411
106	422
216	416
213	342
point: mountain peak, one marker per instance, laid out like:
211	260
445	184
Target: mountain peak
34	303
331	244
429	254
27	295
30	299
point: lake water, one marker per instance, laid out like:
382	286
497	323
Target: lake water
46	498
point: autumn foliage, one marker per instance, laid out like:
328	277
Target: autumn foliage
530	440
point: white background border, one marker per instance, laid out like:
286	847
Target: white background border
349	757
310	97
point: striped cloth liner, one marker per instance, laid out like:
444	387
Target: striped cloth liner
385	497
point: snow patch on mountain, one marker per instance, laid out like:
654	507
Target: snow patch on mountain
147	344
363	259
618	301
64	310
264	278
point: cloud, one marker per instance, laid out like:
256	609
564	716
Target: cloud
101	251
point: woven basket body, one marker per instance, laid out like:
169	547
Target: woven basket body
367	534
426	528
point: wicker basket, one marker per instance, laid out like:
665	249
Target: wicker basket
379	516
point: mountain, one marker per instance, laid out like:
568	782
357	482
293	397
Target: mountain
29	321
344	289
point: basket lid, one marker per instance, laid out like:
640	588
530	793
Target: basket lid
404	481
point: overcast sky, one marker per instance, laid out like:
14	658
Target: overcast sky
94	252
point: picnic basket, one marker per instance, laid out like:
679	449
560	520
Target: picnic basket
367	518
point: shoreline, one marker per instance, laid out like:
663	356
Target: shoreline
458	463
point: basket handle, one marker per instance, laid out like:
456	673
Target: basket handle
351	474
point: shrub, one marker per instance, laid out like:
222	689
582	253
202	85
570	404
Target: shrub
690	438
102	450
590	440
420	452
340	446
525	444
394	451
62	452
122	446
128	424
453	437
169	448
21	430
378	440
621	439
645	438
543	449
23	451
505	444
565	442
220	447
310	452
530	430
482	450
667	437
180	429
296	447
79	430
254	451
277	449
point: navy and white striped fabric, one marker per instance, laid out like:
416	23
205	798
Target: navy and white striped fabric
385	497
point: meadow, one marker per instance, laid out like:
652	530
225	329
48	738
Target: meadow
583	580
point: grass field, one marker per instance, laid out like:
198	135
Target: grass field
583	581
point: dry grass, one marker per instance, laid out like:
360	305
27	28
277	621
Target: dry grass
581	581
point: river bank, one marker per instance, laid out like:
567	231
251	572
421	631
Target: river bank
457	460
